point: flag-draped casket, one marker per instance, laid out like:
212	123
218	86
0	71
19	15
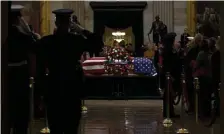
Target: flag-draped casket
139	65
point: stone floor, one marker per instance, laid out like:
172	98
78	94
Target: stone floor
130	117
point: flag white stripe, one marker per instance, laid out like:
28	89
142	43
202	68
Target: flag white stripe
94	67
93	61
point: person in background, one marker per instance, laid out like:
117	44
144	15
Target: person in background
115	44
149	49
189	65
203	72
215	66
184	38
61	53
122	44
75	19
155	28
129	49
212	45
21	66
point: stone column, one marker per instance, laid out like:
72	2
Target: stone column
45	18
165	9
191	14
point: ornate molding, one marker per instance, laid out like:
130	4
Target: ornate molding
118	5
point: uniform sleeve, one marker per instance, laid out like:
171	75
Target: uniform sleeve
31	43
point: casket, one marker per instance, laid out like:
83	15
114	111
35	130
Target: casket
142	84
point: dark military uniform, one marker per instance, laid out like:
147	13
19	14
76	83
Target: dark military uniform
20	46
61	53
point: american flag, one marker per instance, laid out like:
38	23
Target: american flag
144	66
94	65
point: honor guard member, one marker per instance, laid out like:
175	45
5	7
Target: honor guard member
20	68
61	53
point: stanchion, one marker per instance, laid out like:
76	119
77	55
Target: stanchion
159	81
84	108
167	122
197	87
182	130
46	129
31	85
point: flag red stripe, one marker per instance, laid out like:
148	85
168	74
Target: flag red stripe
98	71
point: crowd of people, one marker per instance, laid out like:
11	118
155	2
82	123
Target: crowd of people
199	57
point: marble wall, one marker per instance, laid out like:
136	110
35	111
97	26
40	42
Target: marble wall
180	17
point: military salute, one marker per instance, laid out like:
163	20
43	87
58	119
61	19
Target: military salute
60	53
20	67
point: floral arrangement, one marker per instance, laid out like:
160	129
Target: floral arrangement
117	55
118	61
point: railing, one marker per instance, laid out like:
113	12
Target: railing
197	88
160	90
184	99
167	122
31	104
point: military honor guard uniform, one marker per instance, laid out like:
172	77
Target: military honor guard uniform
61	53
20	52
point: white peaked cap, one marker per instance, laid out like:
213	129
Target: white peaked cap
16	8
